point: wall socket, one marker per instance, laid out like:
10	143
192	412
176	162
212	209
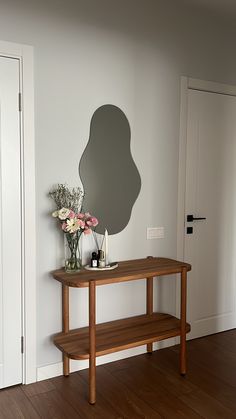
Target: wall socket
155	233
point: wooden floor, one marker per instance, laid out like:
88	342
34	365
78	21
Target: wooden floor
146	386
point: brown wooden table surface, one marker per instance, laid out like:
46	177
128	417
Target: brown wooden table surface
127	271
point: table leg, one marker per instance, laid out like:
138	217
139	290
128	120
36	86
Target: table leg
149	306
183	322
92	342
65	325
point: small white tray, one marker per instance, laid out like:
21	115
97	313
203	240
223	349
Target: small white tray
107	268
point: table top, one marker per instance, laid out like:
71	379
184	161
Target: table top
126	271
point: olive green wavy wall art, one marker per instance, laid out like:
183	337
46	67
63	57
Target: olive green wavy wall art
110	178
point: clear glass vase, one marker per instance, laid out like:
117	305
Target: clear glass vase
72	253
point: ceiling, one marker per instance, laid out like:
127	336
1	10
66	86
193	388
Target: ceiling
224	7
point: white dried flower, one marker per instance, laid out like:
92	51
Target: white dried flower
65	197
63	213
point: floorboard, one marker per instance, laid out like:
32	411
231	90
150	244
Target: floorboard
142	387
125	401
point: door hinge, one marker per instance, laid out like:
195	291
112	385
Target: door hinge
22	344
20	101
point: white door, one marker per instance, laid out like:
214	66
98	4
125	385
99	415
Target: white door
10	225
211	193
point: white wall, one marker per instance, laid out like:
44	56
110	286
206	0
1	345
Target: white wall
130	53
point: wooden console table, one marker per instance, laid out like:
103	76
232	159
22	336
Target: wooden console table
95	340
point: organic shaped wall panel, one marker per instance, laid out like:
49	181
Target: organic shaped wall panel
107	170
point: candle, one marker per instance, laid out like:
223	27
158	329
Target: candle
105	246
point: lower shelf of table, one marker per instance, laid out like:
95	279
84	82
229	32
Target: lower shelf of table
119	335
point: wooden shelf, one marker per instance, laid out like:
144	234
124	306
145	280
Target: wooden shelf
119	334
100	339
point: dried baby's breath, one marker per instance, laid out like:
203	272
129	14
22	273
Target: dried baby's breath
66	197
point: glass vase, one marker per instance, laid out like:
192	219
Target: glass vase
72	254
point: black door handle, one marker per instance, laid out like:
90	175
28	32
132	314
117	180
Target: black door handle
191	218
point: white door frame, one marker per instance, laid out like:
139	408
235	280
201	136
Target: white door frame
25	55
206	86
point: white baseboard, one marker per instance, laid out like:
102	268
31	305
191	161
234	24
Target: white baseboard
54	370
1	375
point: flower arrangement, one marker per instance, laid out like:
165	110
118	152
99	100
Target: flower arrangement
73	222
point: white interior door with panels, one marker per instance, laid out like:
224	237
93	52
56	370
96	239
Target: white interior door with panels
10	225
209	239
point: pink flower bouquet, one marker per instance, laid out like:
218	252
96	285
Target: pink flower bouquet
73	225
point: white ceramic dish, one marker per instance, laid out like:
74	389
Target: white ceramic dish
107	268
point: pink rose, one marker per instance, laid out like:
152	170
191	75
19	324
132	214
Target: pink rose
81	223
80	215
72	214
63	226
87	230
94	221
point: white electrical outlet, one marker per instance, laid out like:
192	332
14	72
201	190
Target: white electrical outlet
155	233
